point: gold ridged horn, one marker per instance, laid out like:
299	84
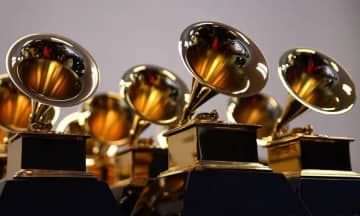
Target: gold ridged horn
221	60
155	94
259	109
109	119
53	71
313	80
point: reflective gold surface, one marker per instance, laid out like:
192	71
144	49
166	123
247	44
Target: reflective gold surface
154	93
222	60
15	107
314	81
109	119
317	80
259	109
49	78
52	69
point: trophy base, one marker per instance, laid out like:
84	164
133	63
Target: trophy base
329	195
56	196
219	192
46	176
127	193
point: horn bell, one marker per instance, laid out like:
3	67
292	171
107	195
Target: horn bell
52	69
314	80
154	93
222	60
109	119
259	109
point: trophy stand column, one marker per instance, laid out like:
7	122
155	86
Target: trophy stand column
50	178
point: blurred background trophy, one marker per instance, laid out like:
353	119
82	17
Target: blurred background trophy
107	119
315	163
217	170
53	71
156	96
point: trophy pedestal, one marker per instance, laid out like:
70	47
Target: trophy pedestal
52	179
137	164
202	191
219	174
329	195
319	169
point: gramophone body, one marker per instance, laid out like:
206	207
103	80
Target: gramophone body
318	166
53	71
217	170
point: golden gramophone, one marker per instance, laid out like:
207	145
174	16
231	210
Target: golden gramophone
53	71
107	119
156	96
314	81
217	168
222	60
318	166
15	110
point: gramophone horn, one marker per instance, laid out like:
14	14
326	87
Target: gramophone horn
15	108
155	94
52	70
109	119
313	81
258	109
221	60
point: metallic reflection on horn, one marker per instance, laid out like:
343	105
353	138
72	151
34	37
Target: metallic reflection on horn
15	110
106	118
109	118
221	60
313	81
155	94
53	71
258	109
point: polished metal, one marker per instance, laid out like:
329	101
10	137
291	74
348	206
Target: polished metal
259	109
109	119
222	60
155	94
313	80
15	110
53	71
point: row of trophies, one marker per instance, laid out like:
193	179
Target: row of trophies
207	167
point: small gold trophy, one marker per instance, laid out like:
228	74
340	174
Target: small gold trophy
316	163
156	96
15	110
53	71
217	170
107	119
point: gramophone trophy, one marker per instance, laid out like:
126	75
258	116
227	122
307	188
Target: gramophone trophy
15	110
156	96
53	71
217	170
318	165
107	119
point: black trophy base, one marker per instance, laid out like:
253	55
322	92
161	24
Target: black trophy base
56	196
219	192
329	195
126	197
